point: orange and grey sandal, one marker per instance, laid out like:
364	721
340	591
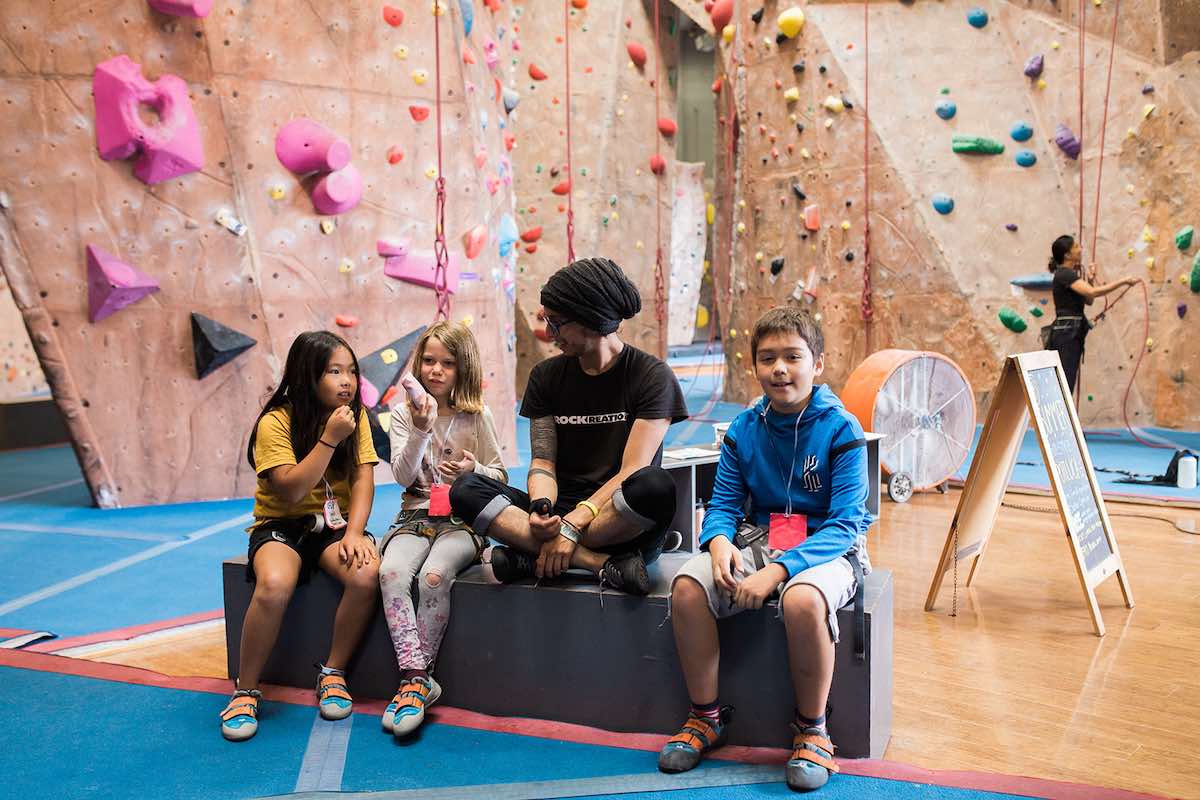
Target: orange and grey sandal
406	712
239	720
333	698
684	750
811	762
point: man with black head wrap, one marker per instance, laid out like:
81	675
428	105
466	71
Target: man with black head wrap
597	499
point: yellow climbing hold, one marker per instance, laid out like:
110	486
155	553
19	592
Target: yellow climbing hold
1041	84
710	213
828	123
792	95
701	317
277	192
790	22
400	51
639	244
804	152
1183	278
1054	45
1129	253
615	216
741	228
758	256
766	42
1150	262
345	265
741	203
327	226
1148	110
738	356
733	334
468	320
727	34
845	224
431	172
1149	343
419	76
834	104
438	8
620	112
1129	188
389	356
1147	234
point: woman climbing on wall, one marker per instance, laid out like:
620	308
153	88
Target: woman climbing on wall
1071	292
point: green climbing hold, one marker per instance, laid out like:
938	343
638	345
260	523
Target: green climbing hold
1183	239
538	169
612	201
1091	398
1012	320
977	144
583	171
1036	311
945	90
604	220
1196	274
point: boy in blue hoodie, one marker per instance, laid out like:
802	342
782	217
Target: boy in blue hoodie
800	459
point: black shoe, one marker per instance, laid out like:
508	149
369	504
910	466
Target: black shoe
510	564
626	572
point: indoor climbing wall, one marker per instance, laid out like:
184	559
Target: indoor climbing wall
614	132
185	194
21	377
974	119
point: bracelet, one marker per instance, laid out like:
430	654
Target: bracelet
327	444
569	531
590	506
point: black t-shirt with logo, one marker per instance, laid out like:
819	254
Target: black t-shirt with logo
594	414
1067	301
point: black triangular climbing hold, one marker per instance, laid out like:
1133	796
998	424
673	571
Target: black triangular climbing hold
757	15
214	345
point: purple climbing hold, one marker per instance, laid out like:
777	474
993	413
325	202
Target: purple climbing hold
1148	88
1067	141
113	284
1181	310
1012	226
1035	65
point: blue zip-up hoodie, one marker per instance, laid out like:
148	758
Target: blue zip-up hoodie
829	483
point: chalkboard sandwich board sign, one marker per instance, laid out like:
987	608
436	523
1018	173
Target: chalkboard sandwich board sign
1033	386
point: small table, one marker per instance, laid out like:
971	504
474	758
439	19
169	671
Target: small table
694	469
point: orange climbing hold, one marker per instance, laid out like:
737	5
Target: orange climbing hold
346	320
393	16
667	126
658	164
812	218
419	113
536	73
562	187
388	396
580	4
532	235
716	86
474	240
468	57
637	54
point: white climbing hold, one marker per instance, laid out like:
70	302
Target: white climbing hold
229	222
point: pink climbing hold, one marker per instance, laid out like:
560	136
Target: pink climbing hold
338	192
420	268
475	240
183	8
367	392
658	164
169	149
113	284
637	54
392	248
304	146
416	392
491	54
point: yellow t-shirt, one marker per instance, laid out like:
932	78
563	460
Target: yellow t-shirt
273	448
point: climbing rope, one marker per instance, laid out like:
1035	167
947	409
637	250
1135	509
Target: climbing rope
660	300
1082	46
440	253
867	308
1112	51
570	169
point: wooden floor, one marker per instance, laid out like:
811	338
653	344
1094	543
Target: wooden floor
1016	683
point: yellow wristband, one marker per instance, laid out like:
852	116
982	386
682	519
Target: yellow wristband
590	506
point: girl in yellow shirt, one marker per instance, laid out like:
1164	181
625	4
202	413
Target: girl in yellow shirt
311	448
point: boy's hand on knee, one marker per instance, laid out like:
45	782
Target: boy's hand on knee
726	560
754	591
555	557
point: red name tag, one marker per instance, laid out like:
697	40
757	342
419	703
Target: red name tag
439	500
787	531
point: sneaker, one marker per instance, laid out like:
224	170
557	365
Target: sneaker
510	564
684	750
239	720
626	572
406	712
811	761
333	698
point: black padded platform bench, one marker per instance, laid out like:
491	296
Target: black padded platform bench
553	652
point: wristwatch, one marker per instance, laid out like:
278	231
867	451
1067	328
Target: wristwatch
542	506
569	531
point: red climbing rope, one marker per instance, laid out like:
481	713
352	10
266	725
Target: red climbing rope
570	169
440	253
660	300
867	308
1082	45
1112	51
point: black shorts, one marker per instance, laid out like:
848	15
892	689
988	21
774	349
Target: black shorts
298	534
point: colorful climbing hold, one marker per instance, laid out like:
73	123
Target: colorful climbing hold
1026	158
562	187
419	113
536	73
1012	320
791	94
834	104
977	17
812	217
637	54
510	98
1067	141
667	126
790	22
346	320
419	76
1194	283
1036	311
1183	239
214	345
658	164
1021	131
532	235
1035	65
979	145
1181	310
1011	227
946	109
727	34
113	284
393	16
777	265
943	203
475	240
721	13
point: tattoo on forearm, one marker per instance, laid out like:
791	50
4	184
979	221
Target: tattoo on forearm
543	438
546	472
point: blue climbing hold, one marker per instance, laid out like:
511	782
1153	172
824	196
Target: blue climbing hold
1021	131
1026	158
946	109
508	234
943	203
977	17
467	8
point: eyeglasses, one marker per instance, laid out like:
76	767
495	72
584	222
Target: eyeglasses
553	326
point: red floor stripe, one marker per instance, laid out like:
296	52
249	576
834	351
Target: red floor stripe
581	734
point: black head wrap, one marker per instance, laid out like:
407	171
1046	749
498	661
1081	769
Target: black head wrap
593	292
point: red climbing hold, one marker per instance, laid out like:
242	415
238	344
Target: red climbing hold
580	4
510	140
658	164
394	154
468	57
393	16
708	5
637	54
716	87
346	320
492	5
388	396
667	126
419	113
562	187
531	248
722	13
536	73
532	235
474	240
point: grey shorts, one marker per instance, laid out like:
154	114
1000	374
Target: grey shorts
833	579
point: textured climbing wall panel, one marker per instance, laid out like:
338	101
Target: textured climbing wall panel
613	133
145	429
21	375
939	281
688	239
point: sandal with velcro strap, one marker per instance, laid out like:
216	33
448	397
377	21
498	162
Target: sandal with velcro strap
699	735
239	720
811	762
333	697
